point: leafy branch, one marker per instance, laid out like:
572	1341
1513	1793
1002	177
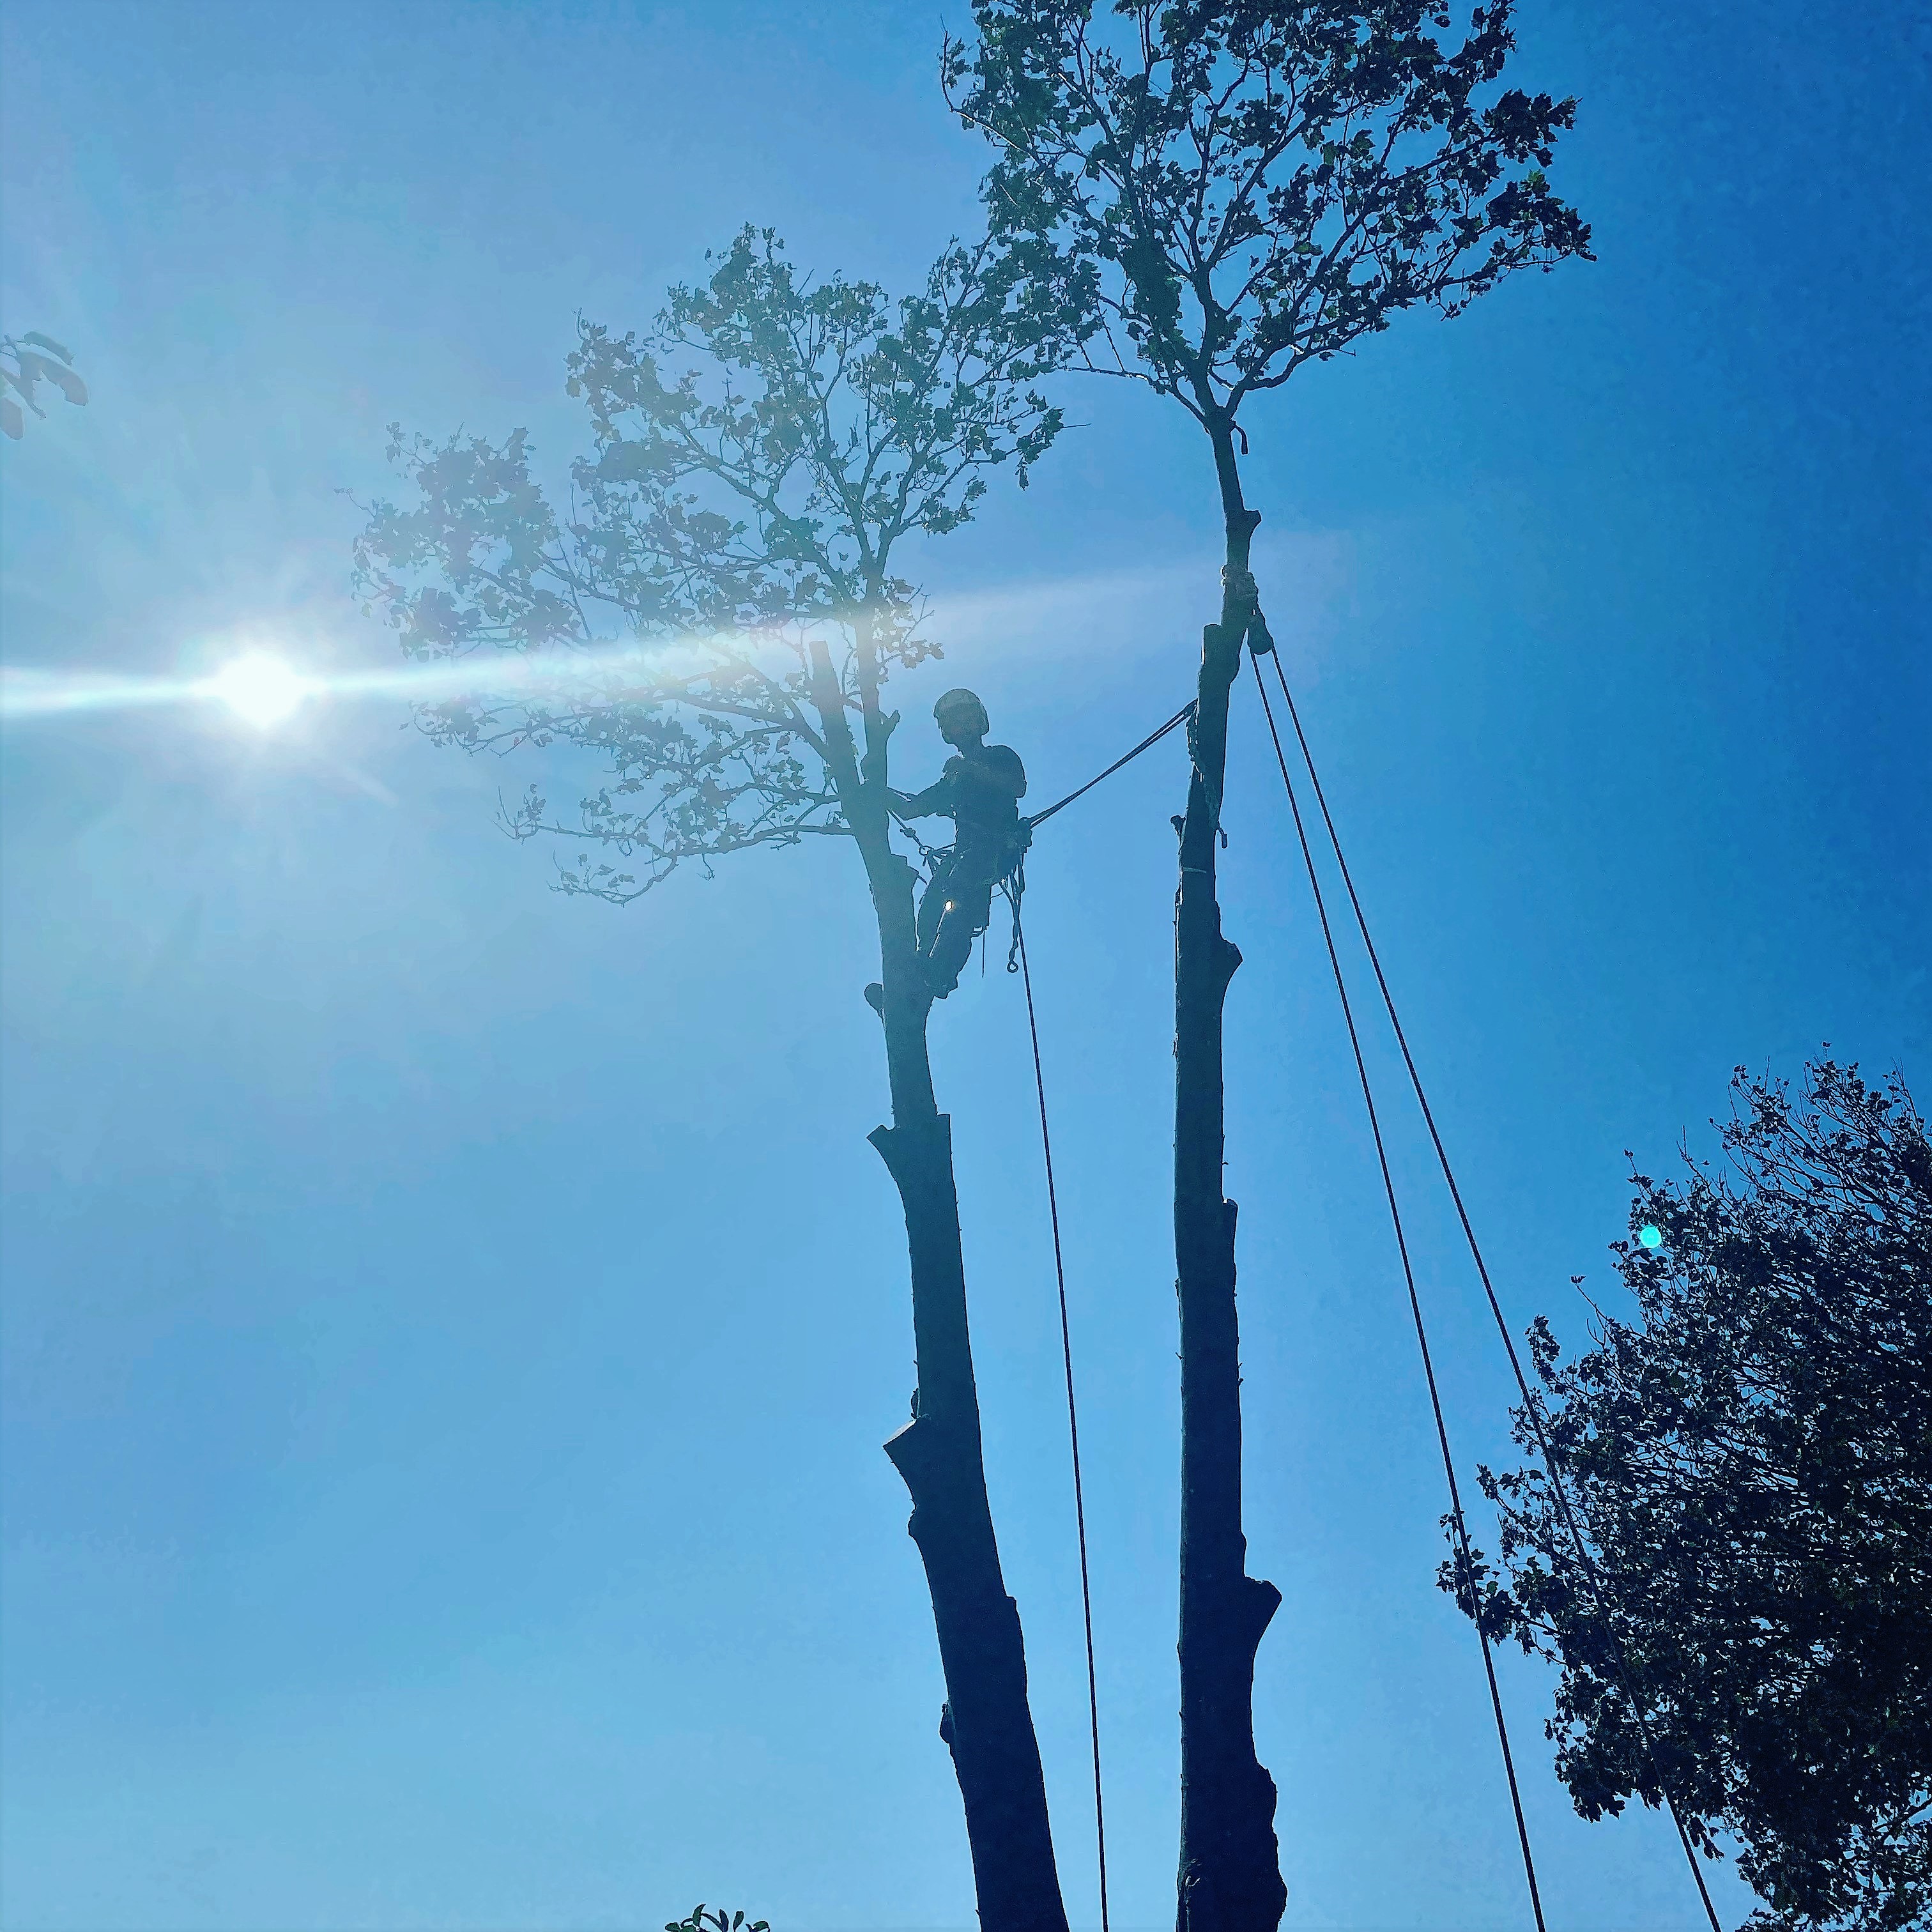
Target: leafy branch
26	361
719	598
1236	189
1751	1458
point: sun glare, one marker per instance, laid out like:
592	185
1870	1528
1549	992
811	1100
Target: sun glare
258	688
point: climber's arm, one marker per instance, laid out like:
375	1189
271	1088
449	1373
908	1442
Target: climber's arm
935	802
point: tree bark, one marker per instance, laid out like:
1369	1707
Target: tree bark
1230	1875
986	1721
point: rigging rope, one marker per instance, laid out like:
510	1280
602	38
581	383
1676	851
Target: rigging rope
1153	738
1415	1303
1072	1413
1531	1405
1016	962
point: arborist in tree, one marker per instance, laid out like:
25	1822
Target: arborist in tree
979	791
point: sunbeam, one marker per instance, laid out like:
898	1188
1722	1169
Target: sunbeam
264	687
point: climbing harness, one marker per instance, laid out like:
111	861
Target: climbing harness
1532	1406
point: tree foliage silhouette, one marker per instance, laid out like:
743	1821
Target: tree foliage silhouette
26	361
1750	1458
714	619
1207	195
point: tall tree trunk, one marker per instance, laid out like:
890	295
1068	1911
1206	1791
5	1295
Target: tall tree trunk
987	1721
1230	1877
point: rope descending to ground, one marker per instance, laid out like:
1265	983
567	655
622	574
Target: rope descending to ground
1015	887
1073	1411
1533	1407
1414	1304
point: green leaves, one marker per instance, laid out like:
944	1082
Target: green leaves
832	422
1208	196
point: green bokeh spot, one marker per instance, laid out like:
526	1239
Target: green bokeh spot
1651	1235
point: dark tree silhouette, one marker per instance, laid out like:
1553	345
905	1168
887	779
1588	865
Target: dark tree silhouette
711	1919
1209	196
1751	1461
759	457
26	361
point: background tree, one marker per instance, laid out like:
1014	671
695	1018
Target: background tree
735	528
26	361
1751	1461
1210	194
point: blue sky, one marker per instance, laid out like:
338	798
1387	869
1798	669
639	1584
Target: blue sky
448	1329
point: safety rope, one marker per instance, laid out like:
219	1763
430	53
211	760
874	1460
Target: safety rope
1073	1411
1152	739
1531	1405
1014	886
1415	1303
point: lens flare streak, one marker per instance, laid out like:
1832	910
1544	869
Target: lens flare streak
260	686
264	689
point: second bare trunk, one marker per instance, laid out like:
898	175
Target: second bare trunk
1230	1876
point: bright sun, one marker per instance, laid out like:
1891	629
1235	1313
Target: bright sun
259	688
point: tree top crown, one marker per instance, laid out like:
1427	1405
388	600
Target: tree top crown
720	592
1209	193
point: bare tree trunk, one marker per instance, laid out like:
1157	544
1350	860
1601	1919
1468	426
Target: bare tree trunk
1230	1877
987	1721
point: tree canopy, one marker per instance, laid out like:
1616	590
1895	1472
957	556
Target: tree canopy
1217	192
757	455
1750	1456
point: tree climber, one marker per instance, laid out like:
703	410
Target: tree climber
979	791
